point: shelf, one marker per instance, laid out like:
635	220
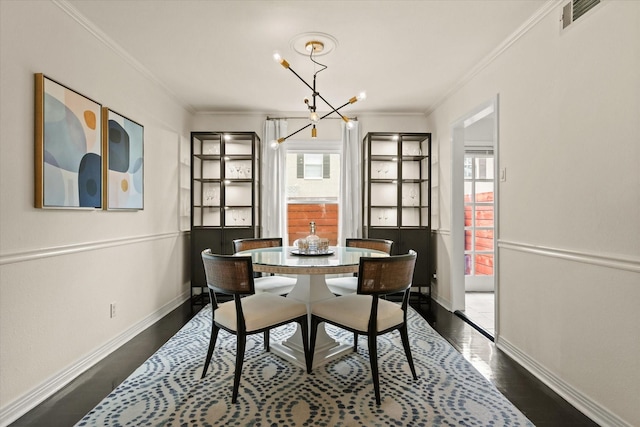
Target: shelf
396	201
384	158
207	180
225	194
213	157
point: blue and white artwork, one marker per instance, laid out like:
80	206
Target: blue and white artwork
125	165
71	149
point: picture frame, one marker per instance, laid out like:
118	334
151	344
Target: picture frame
123	147
68	147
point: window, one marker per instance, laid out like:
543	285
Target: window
313	189
479	209
313	166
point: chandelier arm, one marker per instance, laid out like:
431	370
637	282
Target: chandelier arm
335	110
301	79
326	115
299	130
314	93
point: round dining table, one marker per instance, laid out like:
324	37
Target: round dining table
311	287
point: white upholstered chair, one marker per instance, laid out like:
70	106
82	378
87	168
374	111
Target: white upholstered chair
274	284
348	285
248	313
365	313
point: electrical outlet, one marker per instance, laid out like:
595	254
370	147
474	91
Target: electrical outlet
112	310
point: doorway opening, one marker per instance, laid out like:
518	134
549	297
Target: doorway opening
474	225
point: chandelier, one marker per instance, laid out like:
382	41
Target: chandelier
314	47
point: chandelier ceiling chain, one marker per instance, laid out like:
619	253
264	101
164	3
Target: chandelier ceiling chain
314	47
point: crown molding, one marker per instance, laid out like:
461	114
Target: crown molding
502	47
120	51
101	36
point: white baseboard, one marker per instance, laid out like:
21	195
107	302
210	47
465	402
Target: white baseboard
583	403
31	399
443	302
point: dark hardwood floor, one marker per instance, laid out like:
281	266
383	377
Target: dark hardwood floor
541	405
537	401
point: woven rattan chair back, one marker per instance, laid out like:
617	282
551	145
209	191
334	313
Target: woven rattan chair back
234	275
266	282
256	243
381	276
228	274
375	244
376	277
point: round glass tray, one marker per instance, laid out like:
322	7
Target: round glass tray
297	252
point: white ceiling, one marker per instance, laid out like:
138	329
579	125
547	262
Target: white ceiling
216	56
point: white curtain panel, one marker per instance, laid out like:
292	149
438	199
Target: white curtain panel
273	181
350	184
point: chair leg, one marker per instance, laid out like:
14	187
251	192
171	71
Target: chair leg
241	344
315	321
407	351
266	341
212	344
373	360
304	326
355	342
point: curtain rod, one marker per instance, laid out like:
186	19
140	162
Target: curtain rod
307	118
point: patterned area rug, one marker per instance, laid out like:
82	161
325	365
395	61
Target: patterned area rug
167	390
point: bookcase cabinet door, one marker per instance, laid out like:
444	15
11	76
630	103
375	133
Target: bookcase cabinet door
396	201
225	197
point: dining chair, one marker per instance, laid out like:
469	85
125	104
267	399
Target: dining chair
365	313
274	284
248	313
349	285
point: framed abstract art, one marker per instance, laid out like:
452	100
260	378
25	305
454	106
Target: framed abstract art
68	148
123	147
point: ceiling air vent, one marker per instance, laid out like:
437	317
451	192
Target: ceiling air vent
575	9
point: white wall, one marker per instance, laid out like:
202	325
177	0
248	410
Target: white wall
569	235
328	129
60	269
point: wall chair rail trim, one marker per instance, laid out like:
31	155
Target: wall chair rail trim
603	260
53	251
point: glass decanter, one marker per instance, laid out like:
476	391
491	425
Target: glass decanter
312	239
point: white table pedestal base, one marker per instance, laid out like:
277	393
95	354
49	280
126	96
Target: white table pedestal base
310	289
326	348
